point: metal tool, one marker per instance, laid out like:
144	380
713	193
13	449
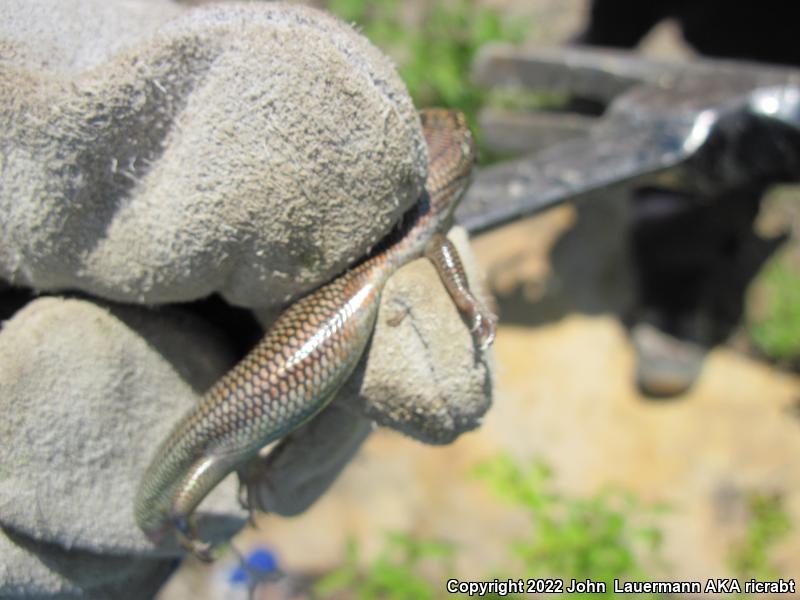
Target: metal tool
703	126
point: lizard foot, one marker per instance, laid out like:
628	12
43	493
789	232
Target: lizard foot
247	502
188	539
484	327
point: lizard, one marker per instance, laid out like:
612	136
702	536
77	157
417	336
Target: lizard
311	349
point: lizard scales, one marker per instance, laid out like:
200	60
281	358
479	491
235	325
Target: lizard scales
306	356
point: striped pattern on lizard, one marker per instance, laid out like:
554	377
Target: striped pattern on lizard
312	348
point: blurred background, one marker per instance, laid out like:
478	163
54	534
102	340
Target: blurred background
578	471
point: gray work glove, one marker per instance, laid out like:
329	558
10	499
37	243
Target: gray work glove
153	155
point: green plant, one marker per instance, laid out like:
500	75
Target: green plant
434	52
600	538
777	333
768	524
393	575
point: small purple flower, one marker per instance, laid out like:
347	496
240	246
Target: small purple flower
256	565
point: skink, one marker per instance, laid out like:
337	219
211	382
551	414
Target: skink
309	352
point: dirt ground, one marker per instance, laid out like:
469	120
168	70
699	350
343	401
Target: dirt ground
565	393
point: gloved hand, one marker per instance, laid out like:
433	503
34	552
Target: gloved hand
153	155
